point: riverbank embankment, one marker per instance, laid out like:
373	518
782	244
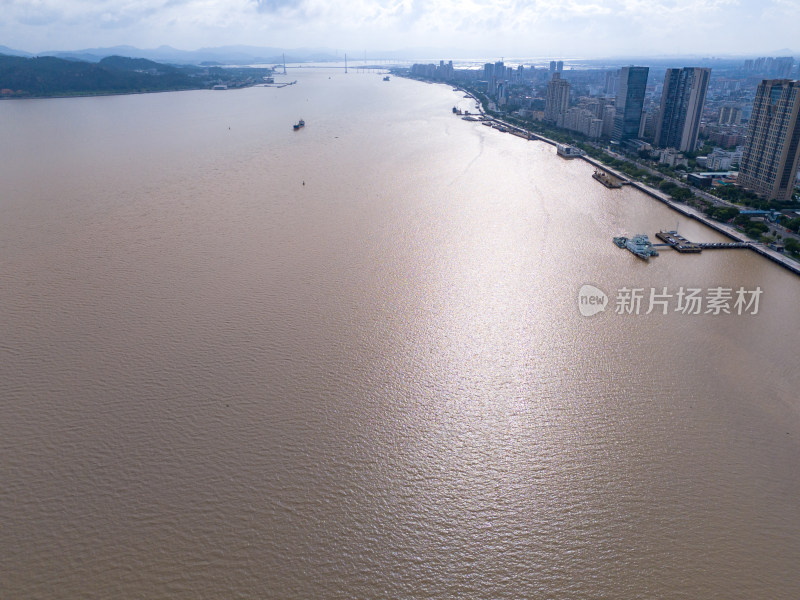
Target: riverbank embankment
683	209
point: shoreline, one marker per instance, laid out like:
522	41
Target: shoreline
686	211
106	94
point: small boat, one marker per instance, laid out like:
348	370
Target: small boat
386	78
299	124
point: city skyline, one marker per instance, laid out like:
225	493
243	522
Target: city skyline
579	28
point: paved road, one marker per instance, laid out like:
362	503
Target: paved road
774	231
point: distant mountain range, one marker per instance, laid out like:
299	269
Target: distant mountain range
11	52
249	55
223	55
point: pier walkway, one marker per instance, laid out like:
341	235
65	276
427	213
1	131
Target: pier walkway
675	240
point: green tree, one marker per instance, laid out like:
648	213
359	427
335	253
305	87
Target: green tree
792	246
667	186
681	194
724	213
755	229
793	224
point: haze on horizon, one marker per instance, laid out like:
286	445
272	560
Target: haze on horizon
565	28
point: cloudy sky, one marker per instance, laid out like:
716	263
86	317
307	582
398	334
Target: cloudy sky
563	28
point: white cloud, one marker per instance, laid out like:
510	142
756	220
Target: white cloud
542	26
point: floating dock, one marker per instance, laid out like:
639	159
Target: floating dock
567	151
607	179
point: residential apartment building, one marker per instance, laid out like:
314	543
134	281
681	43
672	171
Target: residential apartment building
772	153
682	100
556	98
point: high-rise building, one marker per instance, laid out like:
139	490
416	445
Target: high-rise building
560	66
488	75
772	154
730	115
630	98
502	93
647	125
682	103
557	98
498	77
782	66
608	120
612	83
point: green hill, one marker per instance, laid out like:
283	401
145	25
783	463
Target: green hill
50	76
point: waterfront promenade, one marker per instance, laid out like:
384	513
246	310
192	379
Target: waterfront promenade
681	208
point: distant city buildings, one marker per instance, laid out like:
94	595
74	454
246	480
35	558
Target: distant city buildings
682	100
772	153
630	99
581	120
647	126
721	160
730	115
446	70
727	136
779	67
672	158
498	76
611	83
609	112
728	112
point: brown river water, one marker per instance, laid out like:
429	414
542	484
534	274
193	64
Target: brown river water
239	361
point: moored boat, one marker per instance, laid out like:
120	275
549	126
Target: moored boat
639	245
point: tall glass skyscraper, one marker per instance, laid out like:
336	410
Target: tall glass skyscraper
681	108
630	99
772	153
